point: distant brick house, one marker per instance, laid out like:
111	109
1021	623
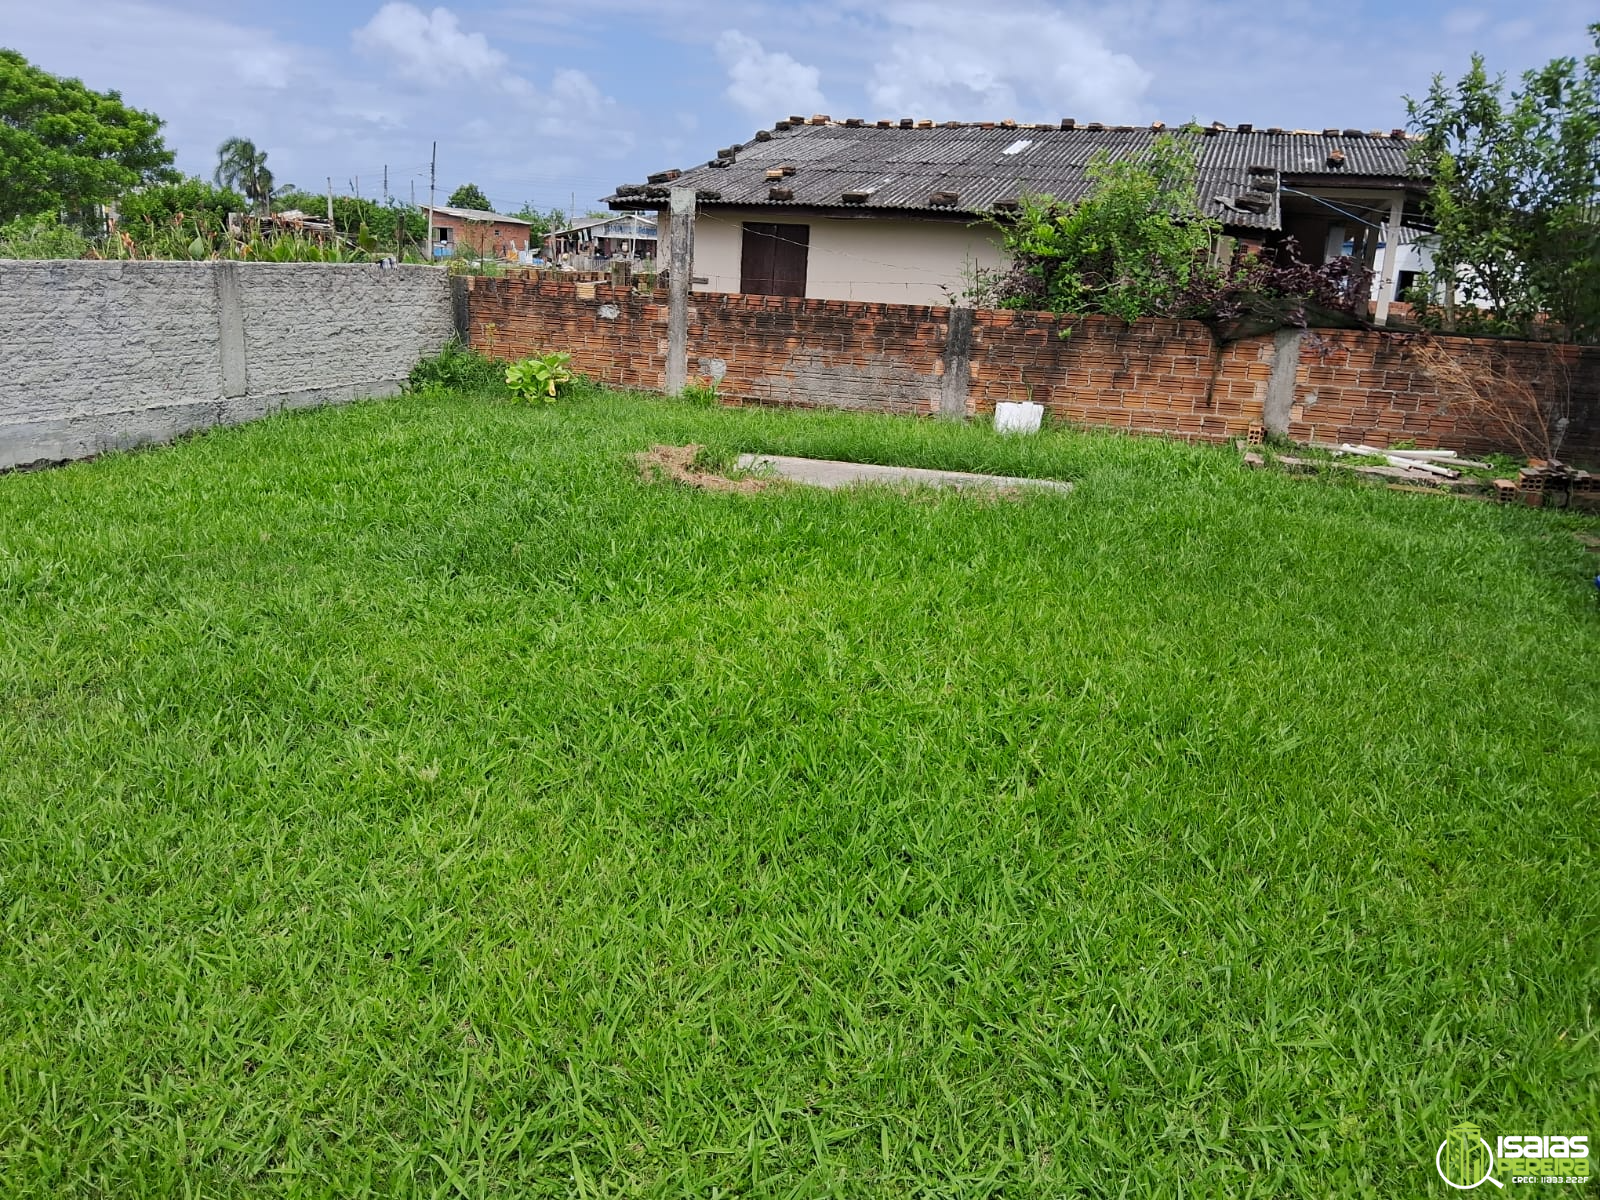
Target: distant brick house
898	211
477	231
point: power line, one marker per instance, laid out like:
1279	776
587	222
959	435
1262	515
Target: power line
1352	216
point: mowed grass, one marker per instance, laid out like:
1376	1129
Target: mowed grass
404	799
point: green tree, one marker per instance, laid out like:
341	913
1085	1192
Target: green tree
240	165
470	195
395	225
544	223
65	148
1129	249
1515	194
189	199
41	236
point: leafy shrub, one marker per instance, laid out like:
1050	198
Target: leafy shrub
1127	250
539	378
456	368
700	391
192	199
41	237
1259	295
1140	245
392	224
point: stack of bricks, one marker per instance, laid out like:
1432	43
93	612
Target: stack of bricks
1585	491
1555	485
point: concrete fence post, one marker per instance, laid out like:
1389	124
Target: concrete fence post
460	307
681	271
1279	402
230	332
957	366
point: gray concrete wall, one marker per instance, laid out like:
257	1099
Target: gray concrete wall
96	356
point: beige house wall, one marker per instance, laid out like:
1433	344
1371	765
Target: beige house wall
889	260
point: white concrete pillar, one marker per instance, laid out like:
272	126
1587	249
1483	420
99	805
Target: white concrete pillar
1391	253
681	279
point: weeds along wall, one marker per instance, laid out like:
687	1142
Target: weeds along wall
1154	376
103	355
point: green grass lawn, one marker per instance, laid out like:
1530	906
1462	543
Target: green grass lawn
404	799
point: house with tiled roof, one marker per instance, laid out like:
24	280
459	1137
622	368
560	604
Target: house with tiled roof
899	211
476	231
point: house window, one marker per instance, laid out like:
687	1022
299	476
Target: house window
1404	283
773	259
442	234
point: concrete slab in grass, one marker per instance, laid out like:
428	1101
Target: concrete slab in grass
828	473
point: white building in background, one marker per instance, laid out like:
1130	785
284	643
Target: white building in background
900	211
627	237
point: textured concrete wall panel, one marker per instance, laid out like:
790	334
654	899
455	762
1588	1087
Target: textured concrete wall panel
321	325
103	355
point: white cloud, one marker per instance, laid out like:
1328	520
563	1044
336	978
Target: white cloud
263	66
575	93
429	48
1028	63
1514	31
432	49
1464	21
767	83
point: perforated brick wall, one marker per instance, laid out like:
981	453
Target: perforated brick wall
1154	376
1363	386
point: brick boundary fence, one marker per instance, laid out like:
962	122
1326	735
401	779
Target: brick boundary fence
1153	376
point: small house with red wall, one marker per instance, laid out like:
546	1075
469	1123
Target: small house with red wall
476	231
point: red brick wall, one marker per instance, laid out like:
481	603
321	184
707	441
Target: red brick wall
1364	386
821	353
522	315
1154	376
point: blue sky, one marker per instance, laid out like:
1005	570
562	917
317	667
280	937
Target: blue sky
543	101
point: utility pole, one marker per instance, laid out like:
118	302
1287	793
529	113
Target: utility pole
679	279
330	206
356	188
433	168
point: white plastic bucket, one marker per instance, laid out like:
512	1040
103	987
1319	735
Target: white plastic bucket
1023	417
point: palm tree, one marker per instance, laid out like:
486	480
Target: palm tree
240	165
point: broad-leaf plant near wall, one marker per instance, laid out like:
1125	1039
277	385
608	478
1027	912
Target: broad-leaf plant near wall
539	378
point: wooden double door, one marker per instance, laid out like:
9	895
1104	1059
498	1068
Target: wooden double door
772	260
